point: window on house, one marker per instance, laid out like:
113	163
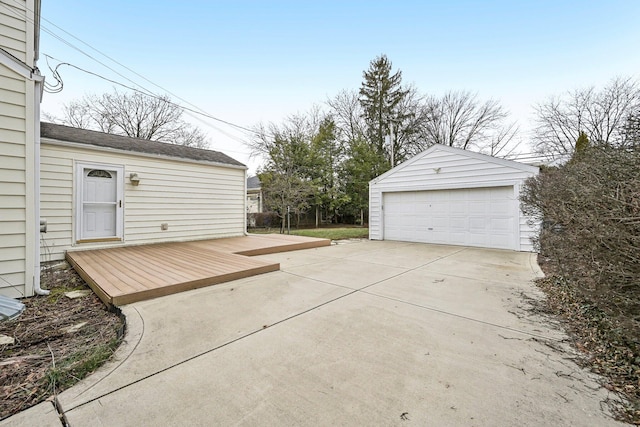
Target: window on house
99	173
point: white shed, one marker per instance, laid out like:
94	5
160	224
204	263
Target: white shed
451	196
99	190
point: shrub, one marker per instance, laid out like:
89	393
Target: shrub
590	211
263	220
590	242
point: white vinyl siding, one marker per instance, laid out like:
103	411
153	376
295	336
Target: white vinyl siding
13	179
445	168
13	37
196	200
17	156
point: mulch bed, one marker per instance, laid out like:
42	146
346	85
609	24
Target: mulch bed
58	341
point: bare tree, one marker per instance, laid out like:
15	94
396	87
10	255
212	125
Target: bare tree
132	114
410	127
602	115
347	114
459	119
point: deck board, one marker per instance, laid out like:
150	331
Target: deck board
127	274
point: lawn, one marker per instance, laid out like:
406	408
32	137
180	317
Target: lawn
325	233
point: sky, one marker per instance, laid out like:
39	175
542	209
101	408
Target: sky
251	62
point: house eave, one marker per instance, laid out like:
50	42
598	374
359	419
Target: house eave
91	147
18	66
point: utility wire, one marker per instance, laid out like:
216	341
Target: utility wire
69	44
142	89
209	116
125	67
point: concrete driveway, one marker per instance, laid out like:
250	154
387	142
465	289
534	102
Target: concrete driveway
364	333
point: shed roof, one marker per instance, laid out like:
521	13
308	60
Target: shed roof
125	143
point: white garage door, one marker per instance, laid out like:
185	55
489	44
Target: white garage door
482	217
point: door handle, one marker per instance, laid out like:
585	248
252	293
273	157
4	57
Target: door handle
120	203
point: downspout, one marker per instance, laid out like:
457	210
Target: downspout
38	81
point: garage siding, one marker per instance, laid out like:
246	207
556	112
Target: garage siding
442	168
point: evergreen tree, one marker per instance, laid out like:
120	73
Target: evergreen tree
581	147
582	143
326	156
381	95
363	163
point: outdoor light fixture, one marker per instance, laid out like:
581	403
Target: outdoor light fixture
134	178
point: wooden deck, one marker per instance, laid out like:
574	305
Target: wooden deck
128	274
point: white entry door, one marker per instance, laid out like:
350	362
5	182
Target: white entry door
99	207
484	217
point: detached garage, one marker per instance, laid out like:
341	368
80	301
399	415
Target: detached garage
450	196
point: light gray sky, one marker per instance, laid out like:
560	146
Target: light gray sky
247	62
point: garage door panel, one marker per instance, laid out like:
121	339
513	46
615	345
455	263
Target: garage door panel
422	222
477	239
500	205
454	238
504	225
498	241
479	208
460	208
471	217
458	224
477	225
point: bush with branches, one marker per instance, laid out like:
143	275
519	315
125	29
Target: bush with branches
589	241
590	212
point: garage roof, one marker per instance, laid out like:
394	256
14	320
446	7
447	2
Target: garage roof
439	147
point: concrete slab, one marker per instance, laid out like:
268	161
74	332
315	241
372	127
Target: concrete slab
296	258
359	248
478	300
348	273
175	328
361	360
432	341
409	255
42	415
490	264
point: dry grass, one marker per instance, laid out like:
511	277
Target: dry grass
46	358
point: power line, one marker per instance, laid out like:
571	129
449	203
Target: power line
142	89
57	37
191	110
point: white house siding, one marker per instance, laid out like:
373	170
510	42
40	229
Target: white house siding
13	172
442	168
196	200
17	155
14	18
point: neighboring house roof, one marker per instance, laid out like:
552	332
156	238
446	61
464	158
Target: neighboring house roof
253	183
125	143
